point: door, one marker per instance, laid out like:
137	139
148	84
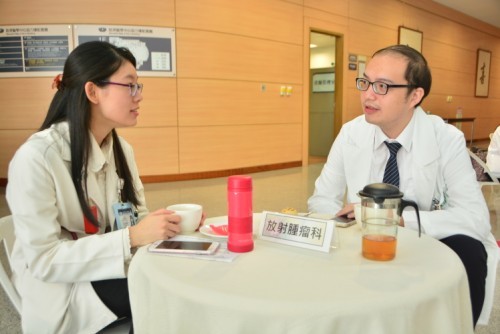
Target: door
322	99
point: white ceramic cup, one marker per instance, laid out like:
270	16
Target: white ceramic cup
190	216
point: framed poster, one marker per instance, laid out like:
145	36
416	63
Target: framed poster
323	82
483	73
34	50
412	38
153	47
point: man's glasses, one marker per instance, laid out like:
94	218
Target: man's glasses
379	87
134	88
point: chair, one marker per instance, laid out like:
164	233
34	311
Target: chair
120	326
7	238
483	174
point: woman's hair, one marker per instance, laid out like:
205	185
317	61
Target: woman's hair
417	72
89	62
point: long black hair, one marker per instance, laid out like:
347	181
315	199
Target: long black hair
89	62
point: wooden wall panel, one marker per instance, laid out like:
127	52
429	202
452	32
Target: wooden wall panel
452	83
444	13
494	70
366	39
159	104
334	23
494	91
156	149
226	51
209	55
487	108
222	147
338	7
24	102
121	12
353	105
246	18
10	140
434	103
387	13
295	2
220	102
442	31
28	100
450	57
484	126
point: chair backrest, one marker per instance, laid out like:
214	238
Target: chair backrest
483	173
7	238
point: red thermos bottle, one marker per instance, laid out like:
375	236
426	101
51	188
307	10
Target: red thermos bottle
240	214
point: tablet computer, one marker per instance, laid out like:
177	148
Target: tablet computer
184	247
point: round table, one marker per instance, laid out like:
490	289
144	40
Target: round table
283	289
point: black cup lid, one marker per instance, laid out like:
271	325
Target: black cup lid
381	191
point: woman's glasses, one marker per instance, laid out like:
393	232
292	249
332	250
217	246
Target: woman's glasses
134	88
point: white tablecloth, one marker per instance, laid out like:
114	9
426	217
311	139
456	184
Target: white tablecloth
283	289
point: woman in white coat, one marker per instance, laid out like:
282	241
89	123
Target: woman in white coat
65	185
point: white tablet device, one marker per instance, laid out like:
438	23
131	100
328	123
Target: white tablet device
184	247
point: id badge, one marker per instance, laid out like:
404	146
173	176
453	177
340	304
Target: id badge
124	215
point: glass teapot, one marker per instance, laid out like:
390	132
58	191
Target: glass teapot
381	207
384	201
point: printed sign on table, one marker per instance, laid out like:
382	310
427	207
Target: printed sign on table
153	47
305	232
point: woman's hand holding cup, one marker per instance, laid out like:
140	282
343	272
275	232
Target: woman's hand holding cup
158	225
192	216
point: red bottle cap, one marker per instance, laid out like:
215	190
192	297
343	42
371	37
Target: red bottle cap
243	182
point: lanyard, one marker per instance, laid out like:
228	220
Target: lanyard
119	188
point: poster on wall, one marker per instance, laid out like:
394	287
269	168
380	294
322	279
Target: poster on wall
153	47
411	37
483	72
323	82
34	50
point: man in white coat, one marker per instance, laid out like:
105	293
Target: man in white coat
434	167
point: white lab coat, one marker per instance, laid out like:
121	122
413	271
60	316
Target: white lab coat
442	170
51	271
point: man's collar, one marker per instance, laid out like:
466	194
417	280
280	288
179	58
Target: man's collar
404	138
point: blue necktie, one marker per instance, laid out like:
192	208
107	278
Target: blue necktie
391	174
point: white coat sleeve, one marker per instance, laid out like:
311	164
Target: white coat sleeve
330	186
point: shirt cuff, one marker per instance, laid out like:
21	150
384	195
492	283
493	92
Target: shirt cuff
126	245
